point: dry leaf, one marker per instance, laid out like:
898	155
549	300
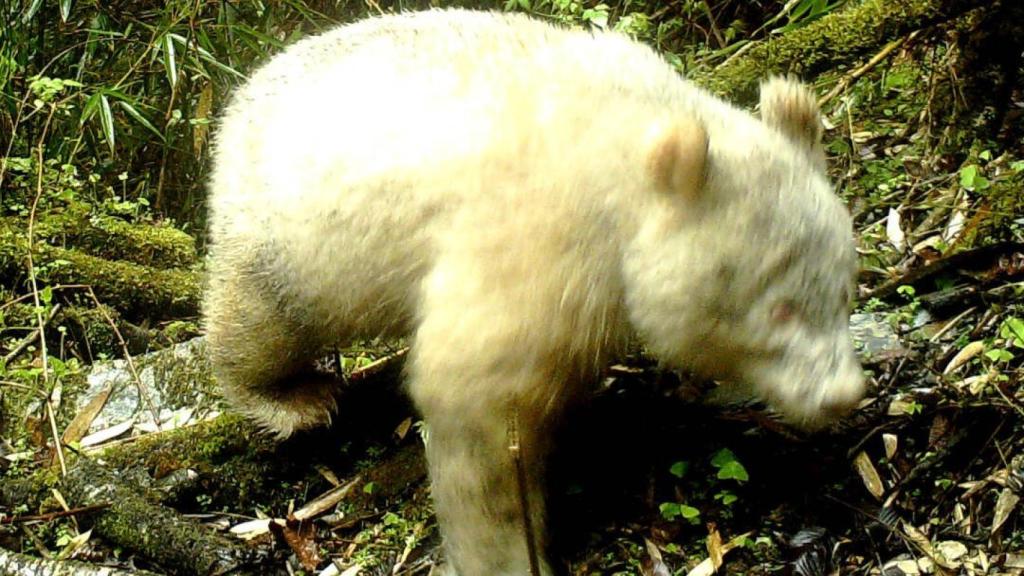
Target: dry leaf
252	528
403	428
326	501
74	545
963	356
891	443
956	220
301	538
714	546
201	128
869	475
939	432
930	244
107	434
900	406
1005	506
1014	561
328	475
656	565
925	545
952	551
80	425
893	231
334	570
707	567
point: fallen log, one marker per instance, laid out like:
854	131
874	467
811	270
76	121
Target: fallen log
79	225
15	564
838	38
136	291
138	524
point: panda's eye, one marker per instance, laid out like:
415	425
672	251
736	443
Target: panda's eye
783	312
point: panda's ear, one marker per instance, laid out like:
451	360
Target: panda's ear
791	108
678	156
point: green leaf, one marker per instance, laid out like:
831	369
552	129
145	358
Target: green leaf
32	9
369	488
1013	327
65	10
968	174
999	355
170	66
733	471
722	457
726	497
107	122
906	291
669	510
688	512
679	469
46	294
57	367
205	56
140	118
89	108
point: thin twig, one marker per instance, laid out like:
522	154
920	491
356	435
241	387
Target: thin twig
516	451
949	325
376	366
35	295
54	288
714	26
57	514
143	390
845	82
28	340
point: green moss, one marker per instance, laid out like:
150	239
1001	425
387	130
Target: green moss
134	290
134	521
839	37
79	225
227	447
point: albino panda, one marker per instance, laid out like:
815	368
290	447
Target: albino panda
520	200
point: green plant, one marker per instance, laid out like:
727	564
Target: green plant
729	468
671	511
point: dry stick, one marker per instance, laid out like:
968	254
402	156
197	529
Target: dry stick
949	325
750	44
54	288
35	296
714	27
143	391
377	365
28	340
515	449
782	14
53	515
845	82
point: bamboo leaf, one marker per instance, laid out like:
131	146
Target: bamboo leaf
107	121
224	67
89	108
170	66
140	118
264	39
205	56
32	9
